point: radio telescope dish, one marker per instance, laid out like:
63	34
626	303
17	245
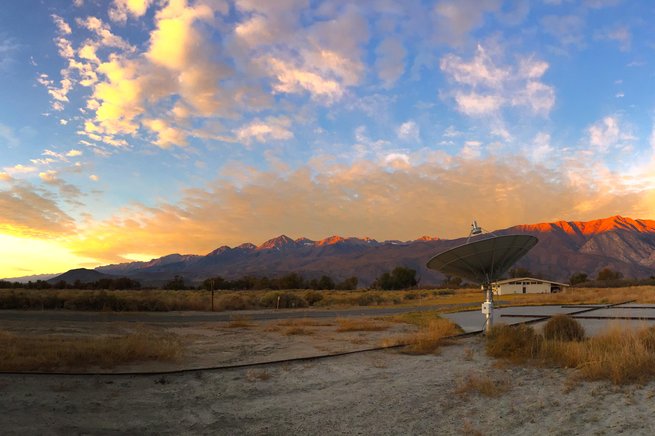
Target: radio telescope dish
483	261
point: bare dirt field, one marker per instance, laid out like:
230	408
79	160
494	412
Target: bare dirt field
458	391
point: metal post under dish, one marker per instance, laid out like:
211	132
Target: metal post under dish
488	307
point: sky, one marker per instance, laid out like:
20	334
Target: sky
132	129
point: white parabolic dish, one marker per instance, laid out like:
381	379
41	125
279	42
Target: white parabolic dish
483	261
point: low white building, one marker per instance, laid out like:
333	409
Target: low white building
526	285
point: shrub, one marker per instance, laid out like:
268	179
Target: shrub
313	297
360	325
285	299
231	302
428	339
515	343
563	328
369	298
411	296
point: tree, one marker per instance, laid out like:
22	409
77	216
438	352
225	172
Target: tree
348	284
399	278
214	283
176	284
290	281
577	278
607	274
325	282
452	282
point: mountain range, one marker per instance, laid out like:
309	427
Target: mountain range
565	247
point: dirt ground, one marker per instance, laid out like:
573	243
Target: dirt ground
380	392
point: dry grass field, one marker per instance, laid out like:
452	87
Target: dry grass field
158	300
44	352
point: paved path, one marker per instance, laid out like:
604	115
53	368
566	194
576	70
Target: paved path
191	317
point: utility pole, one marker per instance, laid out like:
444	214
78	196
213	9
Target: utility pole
211	287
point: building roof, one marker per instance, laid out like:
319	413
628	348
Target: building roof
532	279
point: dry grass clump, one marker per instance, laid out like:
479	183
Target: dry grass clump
303	322
428	339
485	386
563	328
619	355
253	375
44	353
239	322
515	343
292	331
360	325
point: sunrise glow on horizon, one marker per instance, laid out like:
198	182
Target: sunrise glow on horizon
131	129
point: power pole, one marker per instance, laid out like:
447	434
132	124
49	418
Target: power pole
211	287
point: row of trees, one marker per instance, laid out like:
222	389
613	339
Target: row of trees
110	284
288	281
398	278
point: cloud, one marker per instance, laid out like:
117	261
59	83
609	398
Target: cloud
272	128
608	133
471	150
408	131
8	135
398	161
19	169
73	153
26	212
8	46
542	149
62	25
121	9
567	29
599	4
69	193
360	199
454	20
390	62
167	135
483	87
291	79
321	59
621	35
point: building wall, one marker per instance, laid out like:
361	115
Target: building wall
531	287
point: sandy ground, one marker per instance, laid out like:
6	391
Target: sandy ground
381	392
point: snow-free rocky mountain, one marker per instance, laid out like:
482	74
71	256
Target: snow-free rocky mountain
565	247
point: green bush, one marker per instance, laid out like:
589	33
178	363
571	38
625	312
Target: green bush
563	328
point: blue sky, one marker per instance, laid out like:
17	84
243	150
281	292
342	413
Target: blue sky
135	128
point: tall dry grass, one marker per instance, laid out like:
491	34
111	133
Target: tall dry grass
482	385
428	339
619	355
50	352
360	325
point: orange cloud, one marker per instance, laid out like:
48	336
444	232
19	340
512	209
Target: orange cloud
362	200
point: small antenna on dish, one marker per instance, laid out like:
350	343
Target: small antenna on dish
476	230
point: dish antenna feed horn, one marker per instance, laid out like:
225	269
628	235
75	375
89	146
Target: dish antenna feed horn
483	261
